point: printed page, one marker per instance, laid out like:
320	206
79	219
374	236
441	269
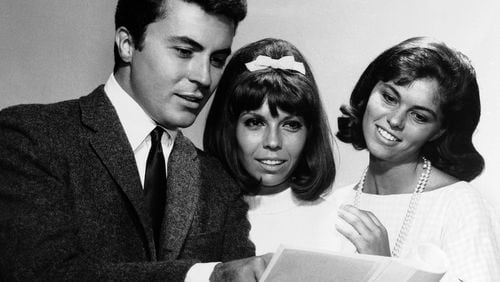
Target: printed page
395	271
293	264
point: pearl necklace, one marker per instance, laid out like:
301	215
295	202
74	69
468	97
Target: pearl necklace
412	207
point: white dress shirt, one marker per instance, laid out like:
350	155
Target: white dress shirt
138	126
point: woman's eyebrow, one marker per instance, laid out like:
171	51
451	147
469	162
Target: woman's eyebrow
422	108
393	90
418	107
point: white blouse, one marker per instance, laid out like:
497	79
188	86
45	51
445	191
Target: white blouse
283	219
455	218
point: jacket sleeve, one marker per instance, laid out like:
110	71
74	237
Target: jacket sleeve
220	225
38	225
237	244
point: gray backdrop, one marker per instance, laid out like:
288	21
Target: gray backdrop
60	49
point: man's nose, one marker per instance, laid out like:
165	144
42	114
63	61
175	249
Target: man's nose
200	72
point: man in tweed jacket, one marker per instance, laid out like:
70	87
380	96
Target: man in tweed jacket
72	173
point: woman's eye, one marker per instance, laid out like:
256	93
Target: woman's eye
253	123
293	125
183	53
390	99
420	118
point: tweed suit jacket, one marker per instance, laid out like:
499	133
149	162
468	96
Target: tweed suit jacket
72	207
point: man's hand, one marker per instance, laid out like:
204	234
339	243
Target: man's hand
247	269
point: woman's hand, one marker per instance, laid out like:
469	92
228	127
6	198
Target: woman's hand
367	234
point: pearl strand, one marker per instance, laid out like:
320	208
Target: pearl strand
412	207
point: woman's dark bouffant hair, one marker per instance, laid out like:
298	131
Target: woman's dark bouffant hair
417	58
241	90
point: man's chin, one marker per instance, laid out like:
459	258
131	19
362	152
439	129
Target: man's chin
186	120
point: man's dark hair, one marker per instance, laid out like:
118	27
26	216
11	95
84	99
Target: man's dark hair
136	15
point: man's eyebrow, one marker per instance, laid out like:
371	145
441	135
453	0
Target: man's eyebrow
195	45
186	40
225	52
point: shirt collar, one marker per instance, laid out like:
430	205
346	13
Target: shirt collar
135	121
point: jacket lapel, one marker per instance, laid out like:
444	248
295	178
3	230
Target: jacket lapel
183	185
111	145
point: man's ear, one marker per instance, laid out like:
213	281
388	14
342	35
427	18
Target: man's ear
438	134
124	43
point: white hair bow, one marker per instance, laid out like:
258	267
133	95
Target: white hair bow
284	63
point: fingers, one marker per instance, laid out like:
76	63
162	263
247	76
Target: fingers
358	219
248	269
261	264
364	230
348	232
375	220
267	258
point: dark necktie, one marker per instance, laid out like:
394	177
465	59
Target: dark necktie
155	184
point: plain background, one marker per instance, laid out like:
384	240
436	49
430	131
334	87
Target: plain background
61	49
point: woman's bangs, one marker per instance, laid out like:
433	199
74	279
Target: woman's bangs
282	91
250	96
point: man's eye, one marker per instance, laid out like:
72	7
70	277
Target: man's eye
219	61
184	53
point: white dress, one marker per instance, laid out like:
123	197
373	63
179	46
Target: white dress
455	218
283	219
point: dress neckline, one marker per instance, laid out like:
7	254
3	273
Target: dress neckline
430	192
273	203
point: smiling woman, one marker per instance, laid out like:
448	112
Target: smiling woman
415	109
399	120
268	127
270	145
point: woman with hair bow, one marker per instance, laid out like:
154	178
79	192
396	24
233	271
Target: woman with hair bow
268	127
415	109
